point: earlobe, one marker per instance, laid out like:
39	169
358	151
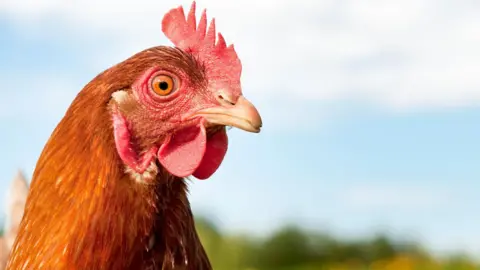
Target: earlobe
123	101
120	96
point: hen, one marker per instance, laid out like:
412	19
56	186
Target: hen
108	191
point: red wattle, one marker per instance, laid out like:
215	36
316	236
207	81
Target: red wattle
188	152
217	146
182	154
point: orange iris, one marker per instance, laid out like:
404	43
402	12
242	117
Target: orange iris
163	85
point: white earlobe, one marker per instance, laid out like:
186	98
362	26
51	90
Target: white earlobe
120	96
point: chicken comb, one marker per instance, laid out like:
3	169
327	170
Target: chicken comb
221	62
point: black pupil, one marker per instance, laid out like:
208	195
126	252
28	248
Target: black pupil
163	85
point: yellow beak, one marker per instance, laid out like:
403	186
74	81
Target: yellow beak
242	115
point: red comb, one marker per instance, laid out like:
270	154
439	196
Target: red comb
222	62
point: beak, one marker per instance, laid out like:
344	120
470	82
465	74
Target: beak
242	115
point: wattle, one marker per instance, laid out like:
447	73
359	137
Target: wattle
189	152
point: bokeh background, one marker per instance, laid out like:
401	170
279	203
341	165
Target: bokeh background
369	151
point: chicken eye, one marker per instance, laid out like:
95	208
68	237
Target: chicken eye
163	85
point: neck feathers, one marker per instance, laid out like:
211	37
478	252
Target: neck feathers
85	212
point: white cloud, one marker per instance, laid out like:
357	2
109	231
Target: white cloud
401	54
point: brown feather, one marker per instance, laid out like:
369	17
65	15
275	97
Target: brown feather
84	212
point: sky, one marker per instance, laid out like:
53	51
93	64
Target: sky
370	108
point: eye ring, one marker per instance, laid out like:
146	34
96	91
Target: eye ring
163	85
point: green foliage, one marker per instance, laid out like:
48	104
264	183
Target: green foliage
287	248
292	248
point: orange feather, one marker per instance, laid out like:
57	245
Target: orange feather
84	212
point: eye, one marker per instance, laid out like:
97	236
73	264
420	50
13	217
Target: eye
163	85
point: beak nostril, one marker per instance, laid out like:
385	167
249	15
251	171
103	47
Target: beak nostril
224	100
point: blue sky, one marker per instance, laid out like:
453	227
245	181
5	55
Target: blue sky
370	109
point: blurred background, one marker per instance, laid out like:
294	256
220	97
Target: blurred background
369	155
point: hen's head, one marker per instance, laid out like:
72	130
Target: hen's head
179	101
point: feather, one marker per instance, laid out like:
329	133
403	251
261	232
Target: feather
85	212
